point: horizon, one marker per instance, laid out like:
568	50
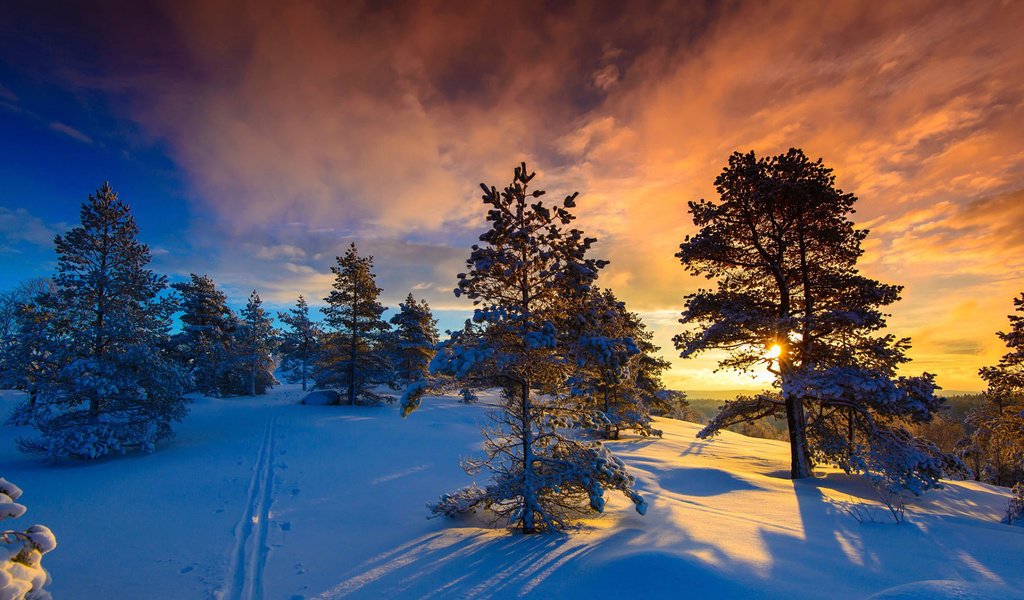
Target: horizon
255	143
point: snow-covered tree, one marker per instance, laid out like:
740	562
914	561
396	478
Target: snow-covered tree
1015	509
299	343
354	355
415	338
22	576
619	372
784	252
29	359
527	278
13	306
996	446
253	368
206	338
109	385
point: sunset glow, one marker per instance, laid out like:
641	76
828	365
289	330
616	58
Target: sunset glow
256	140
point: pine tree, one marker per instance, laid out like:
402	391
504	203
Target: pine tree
109	385
785	253
415	339
299	344
30	360
254	345
13	304
619	372
205	342
21	552
354	355
996	445
526	279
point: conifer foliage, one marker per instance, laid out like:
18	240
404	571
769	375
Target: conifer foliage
15	322
415	338
255	340
996	446
354	354
526	279
299	343
205	342
109	385
784	252
619	373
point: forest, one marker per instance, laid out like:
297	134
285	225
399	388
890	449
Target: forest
109	355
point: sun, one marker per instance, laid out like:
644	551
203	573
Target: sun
774	351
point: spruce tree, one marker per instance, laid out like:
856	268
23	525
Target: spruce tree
30	359
619	372
526	279
415	339
784	252
996	446
253	349
13	304
354	357
205	342
299	343
109	385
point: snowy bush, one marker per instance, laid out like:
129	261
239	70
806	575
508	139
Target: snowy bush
1015	510
21	571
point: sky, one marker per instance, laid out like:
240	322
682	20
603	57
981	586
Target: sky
255	140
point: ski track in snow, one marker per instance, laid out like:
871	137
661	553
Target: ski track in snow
244	579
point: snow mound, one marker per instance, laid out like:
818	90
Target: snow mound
321	398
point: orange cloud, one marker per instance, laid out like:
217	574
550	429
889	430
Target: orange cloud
309	124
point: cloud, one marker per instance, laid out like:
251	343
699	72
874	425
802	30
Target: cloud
314	124
70	131
19	226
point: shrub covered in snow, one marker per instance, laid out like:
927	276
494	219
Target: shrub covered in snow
1015	510
21	552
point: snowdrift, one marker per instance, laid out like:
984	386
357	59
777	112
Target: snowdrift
267	496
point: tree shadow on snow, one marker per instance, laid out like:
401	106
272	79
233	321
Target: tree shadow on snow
876	554
480	563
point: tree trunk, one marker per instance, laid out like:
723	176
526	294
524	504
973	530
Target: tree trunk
608	427
352	370
252	379
529	494
800	462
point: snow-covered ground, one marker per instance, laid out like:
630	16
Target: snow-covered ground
266	498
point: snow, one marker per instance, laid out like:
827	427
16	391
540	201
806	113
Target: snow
266	497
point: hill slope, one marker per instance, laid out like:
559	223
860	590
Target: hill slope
266	498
